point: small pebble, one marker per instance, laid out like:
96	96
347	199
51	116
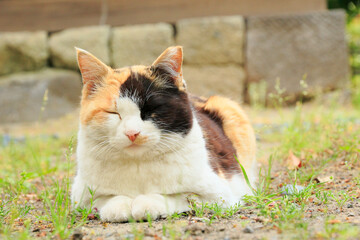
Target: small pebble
351	214
129	236
350	205
248	229
109	234
77	236
149	232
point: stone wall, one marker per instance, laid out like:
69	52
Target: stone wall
222	55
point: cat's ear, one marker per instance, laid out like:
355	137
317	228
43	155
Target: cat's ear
93	71
169	66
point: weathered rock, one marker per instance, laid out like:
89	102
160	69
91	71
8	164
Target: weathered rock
140	44
291	46
207	80
23	51
23	99
212	40
94	39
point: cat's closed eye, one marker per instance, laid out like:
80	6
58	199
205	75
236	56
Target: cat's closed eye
110	112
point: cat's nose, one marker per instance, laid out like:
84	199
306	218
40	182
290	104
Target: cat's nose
132	135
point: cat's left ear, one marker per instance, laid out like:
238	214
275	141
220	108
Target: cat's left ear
169	66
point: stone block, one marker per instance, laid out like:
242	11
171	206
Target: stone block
289	48
212	40
23	51
22	95
140	44
94	39
208	80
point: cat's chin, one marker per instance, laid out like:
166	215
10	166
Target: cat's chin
135	150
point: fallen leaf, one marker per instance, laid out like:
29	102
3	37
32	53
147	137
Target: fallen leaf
293	162
324	179
334	221
41	234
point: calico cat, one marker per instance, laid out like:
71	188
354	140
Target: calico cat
145	144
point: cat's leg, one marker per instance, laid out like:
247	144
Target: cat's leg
111	208
158	205
114	208
211	188
80	194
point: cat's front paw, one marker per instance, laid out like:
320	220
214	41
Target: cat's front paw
116	209
145	205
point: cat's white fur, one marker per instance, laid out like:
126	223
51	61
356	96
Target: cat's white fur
155	178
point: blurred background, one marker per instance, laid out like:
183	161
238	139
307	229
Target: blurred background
262	53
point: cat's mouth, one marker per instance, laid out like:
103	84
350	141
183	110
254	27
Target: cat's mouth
134	146
135	149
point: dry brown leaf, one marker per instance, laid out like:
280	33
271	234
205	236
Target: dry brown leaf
334	221
293	162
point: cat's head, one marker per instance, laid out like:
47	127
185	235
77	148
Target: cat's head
135	110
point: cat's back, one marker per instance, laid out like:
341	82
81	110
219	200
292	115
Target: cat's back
227	132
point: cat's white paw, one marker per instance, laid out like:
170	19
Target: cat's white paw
152	204
116	209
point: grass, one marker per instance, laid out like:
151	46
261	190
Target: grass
35	189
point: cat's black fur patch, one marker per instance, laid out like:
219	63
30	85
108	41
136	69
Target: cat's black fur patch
218	144
165	105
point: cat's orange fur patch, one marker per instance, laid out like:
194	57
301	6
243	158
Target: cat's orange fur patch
94	107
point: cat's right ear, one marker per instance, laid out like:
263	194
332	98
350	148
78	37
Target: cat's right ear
93	71
168	66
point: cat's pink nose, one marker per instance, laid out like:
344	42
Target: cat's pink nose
132	135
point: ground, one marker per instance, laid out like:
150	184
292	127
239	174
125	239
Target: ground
309	162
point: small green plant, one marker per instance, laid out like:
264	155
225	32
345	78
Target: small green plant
149	220
176	216
277	99
323	196
341	198
199	209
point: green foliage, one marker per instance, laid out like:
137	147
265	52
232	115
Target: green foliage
27	170
353	29
351	6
